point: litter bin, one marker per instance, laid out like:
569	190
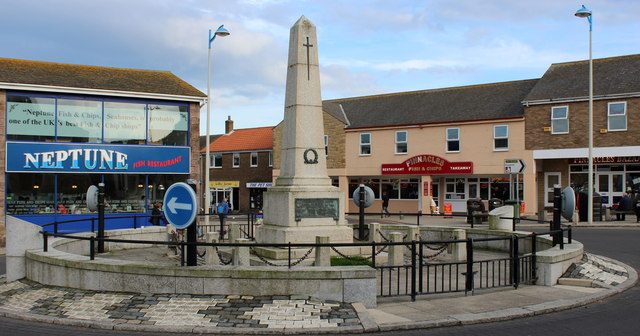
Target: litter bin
583	207
473	205
494	203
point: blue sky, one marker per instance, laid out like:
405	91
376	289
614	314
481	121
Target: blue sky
365	47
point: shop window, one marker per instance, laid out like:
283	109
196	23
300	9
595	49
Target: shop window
335	181
401	142
216	160
365	143
453	140
72	190
374	184
79	120
125	193
501	137
236	160
326	145
391	187
30	118
353	184
617	116
158	184
30	194
454	188
168	124
409	188
560	120
124	123
254	159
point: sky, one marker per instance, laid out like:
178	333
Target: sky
365	47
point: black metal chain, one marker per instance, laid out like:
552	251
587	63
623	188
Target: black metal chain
305	256
222	261
352	258
262	258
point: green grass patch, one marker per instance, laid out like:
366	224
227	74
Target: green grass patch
351	261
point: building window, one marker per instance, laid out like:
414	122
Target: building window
22	123
401	142
365	143
617	116
453	139
125	123
560	120
501	137
236	160
326	145
79	120
216	160
270	158
168	124
254	159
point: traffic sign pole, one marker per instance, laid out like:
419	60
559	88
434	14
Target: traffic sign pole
100	217
192	235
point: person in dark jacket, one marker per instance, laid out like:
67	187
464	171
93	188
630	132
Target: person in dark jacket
156	214
623	205
385	204
222	210
636	205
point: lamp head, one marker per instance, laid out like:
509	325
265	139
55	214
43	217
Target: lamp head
222	31
583	12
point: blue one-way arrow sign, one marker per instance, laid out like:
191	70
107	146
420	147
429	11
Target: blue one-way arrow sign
180	203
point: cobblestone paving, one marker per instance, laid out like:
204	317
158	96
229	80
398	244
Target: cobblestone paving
289	312
603	272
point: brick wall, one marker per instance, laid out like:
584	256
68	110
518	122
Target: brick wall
539	116
2	166
245	173
333	127
194	140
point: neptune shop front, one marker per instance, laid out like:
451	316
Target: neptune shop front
58	145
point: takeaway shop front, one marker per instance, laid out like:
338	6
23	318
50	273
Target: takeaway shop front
415	182
56	147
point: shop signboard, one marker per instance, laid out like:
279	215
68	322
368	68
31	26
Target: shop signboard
224	184
259	184
427	164
96	158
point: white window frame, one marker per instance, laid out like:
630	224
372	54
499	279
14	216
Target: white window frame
565	118
326	145
446	135
546	190
251	156
270	158
366	144
406	141
501	149
616	115
233	160
213	161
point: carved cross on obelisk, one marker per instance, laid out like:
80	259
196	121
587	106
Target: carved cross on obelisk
308	46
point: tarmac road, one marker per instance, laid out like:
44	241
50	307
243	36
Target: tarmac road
612	317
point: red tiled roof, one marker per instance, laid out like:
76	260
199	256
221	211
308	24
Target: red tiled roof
243	139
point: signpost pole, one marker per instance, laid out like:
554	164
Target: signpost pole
192	234
361	214
557	208
100	217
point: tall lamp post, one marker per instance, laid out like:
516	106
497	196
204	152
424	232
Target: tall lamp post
221	31
584	12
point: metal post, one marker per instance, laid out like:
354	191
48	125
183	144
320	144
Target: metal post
93	225
92	248
534	259
135	221
419	215
413	270
45	241
569	235
361	214
561	239
192	235
373	254
420	267
557	206
590	177
55	227
100	217
469	276
182	254
516	263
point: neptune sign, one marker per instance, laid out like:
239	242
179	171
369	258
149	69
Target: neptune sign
97	158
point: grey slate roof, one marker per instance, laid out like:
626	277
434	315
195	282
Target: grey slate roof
613	75
334	110
466	103
18	71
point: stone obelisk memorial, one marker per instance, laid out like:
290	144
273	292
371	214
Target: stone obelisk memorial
303	204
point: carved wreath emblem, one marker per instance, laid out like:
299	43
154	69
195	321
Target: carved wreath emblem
314	156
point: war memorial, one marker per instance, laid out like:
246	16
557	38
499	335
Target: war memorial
302	268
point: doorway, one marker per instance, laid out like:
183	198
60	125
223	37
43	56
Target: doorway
610	186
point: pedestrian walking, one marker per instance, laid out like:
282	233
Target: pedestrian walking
222	210
385	204
156	214
636	205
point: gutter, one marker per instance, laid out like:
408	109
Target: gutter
101	92
579	99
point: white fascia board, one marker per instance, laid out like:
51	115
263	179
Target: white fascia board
570	153
580	99
99	92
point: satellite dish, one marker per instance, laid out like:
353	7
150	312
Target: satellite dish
92	198
568	203
369	196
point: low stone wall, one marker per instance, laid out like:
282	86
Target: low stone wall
67	265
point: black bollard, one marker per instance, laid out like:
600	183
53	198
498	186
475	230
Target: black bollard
192	235
361	214
100	217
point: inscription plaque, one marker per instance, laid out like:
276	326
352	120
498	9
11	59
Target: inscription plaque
317	208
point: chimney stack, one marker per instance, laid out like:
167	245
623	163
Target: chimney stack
228	125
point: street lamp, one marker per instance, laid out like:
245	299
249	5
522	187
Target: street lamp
584	12
221	31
